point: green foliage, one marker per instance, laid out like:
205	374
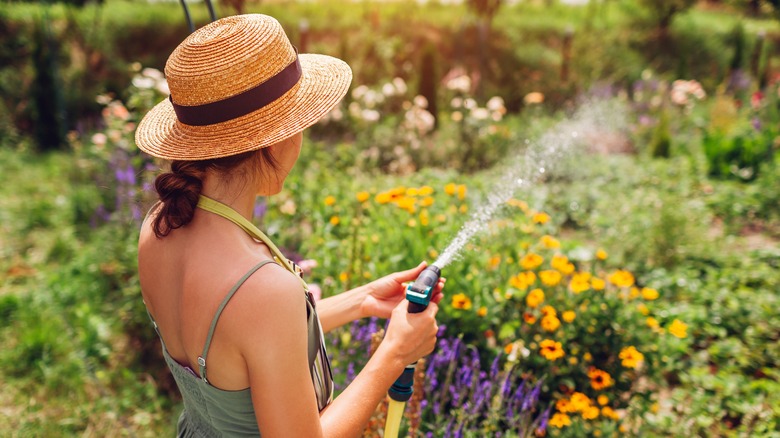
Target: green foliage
664	11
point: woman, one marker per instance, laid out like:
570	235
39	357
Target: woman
240	331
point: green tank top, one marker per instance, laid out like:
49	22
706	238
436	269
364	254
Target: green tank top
213	412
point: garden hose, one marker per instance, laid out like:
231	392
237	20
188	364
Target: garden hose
419	296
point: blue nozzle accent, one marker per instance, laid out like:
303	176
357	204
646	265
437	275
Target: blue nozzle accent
419	293
402	388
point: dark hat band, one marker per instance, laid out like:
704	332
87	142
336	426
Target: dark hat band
243	103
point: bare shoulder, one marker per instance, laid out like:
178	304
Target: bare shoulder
272	299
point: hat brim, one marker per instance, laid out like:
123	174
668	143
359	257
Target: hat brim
324	82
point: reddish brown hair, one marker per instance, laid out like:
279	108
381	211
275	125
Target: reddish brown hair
180	188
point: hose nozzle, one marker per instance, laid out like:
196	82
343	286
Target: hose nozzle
419	293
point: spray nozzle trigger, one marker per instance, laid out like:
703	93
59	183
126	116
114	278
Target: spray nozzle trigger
419	293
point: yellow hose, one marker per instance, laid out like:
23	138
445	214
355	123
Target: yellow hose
395	410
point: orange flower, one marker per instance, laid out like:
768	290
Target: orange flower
549	310
461	192
631	357
561	263
531	261
551	350
551	323
494	262
362	196
383	198
621	278
590	413
534	298
330	200
461	301
450	189
569	316
563	405
579	402
550	242
541	218
649	294
334	220
601	254
609	413
529	318
550	277
678	329
599	379
482	311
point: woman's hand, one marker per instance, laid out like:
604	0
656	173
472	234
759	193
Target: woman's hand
411	336
384	294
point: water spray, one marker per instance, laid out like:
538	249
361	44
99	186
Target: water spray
541	159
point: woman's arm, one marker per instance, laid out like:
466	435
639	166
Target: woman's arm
274	346
377	298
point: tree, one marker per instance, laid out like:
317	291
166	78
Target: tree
663	11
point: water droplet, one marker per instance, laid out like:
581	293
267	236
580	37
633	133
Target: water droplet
574	134
541	170
520	181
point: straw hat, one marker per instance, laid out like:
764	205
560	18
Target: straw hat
238	85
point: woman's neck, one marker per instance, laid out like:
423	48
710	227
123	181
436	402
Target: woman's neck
240	199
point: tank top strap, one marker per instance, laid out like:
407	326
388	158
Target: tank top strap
202	357
228	213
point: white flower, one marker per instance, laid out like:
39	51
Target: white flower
359	91
288	207
480	113
162	87
456	102
370	115
354	109
469	103
420	101
456	116
399	85
152	73
388	89
460	84
495	103
99	139
143	82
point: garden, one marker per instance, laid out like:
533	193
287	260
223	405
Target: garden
616	162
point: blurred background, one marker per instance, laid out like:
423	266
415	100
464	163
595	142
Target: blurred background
628	287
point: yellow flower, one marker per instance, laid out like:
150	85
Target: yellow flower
406	203
621	278
412	223
425	218
482	311
679	329
609	413
652	322
559	420
383	198
603	399
601	254
550	242
461	192
590	413
362	196
569	316
529	318
343	277
534	298
597	284
450	189
563	406
579	282
330	200
579	402
426	201
494	262
411	191
631	357
425	191
633	292
550	277
334	220
587	357
531	261
433	254
522	205
561	263
461	301
549	310
463	208
599	379
550	323
541	218
551	350
649	293
643	309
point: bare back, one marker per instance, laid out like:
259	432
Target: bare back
184	277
